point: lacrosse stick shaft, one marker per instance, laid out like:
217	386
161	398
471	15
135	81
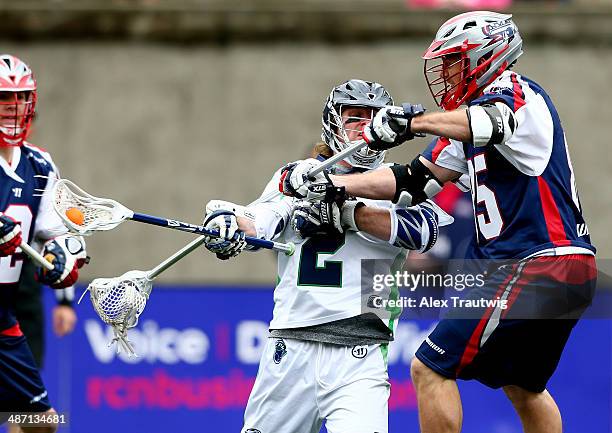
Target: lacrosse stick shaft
35	255
330	162
153	273
200	230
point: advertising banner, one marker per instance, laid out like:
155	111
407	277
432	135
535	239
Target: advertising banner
198	354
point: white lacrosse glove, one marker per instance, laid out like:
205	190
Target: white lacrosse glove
294	181
67	255
231	241
391	126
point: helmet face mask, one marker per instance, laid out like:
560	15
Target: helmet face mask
446	77
482	45
17	101
349	107
16	115
346	123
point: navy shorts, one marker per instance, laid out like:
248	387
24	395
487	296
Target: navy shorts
522	343
21	387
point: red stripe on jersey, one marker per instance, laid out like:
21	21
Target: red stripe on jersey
40	149
441	144
569	269
519	95
448	197
473	345
13	331
552	217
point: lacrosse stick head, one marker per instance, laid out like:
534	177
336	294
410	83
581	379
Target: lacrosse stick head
94	213
119	302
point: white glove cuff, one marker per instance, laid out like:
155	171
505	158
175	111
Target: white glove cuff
347	219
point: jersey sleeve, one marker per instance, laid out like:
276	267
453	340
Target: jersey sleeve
530	147
48	224
505	92
446	153
272	215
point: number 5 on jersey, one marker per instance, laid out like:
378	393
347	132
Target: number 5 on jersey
489	222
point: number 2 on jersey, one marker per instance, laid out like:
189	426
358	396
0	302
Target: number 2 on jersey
314	269
9	272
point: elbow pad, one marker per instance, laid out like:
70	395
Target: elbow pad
414	184
414	228
491	124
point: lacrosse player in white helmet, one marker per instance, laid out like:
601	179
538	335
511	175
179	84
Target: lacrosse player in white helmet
510	142
26	214
326	358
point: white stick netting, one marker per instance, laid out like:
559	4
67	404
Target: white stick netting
119	302
97	213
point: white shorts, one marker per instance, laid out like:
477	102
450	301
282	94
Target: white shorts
300	383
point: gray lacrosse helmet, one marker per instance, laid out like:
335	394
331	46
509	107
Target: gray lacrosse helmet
486	43
353	93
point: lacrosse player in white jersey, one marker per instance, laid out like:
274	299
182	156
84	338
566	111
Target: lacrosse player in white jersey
326	360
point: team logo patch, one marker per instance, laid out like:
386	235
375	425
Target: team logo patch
280	350
359	352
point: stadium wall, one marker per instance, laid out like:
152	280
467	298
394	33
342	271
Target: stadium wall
163	128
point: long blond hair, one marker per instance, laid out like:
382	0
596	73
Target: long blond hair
321	148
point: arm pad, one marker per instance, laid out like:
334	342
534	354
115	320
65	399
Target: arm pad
414	184
414	228
491	123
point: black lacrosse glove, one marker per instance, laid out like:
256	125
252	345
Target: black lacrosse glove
321	217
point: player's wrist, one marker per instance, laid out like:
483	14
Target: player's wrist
418	124
348	216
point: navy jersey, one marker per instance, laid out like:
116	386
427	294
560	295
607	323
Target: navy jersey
523	192
21	196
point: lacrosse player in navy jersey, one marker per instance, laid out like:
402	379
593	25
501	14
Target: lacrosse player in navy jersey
326	357
510	142
27	215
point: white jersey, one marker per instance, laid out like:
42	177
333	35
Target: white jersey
321	282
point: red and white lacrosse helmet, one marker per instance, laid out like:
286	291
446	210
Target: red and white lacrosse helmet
17	100
468	53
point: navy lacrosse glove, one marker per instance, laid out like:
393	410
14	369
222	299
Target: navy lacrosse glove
231	241
321	217
67	255
10	235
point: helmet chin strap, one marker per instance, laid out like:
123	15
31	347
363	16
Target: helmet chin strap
8	143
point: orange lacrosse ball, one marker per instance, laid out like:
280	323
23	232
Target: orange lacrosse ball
75	215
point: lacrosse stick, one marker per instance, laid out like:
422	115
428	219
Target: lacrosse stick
84	214
330	162
121	300
35	255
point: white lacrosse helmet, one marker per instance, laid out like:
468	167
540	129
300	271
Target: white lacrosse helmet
17	100
486	44
353	93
